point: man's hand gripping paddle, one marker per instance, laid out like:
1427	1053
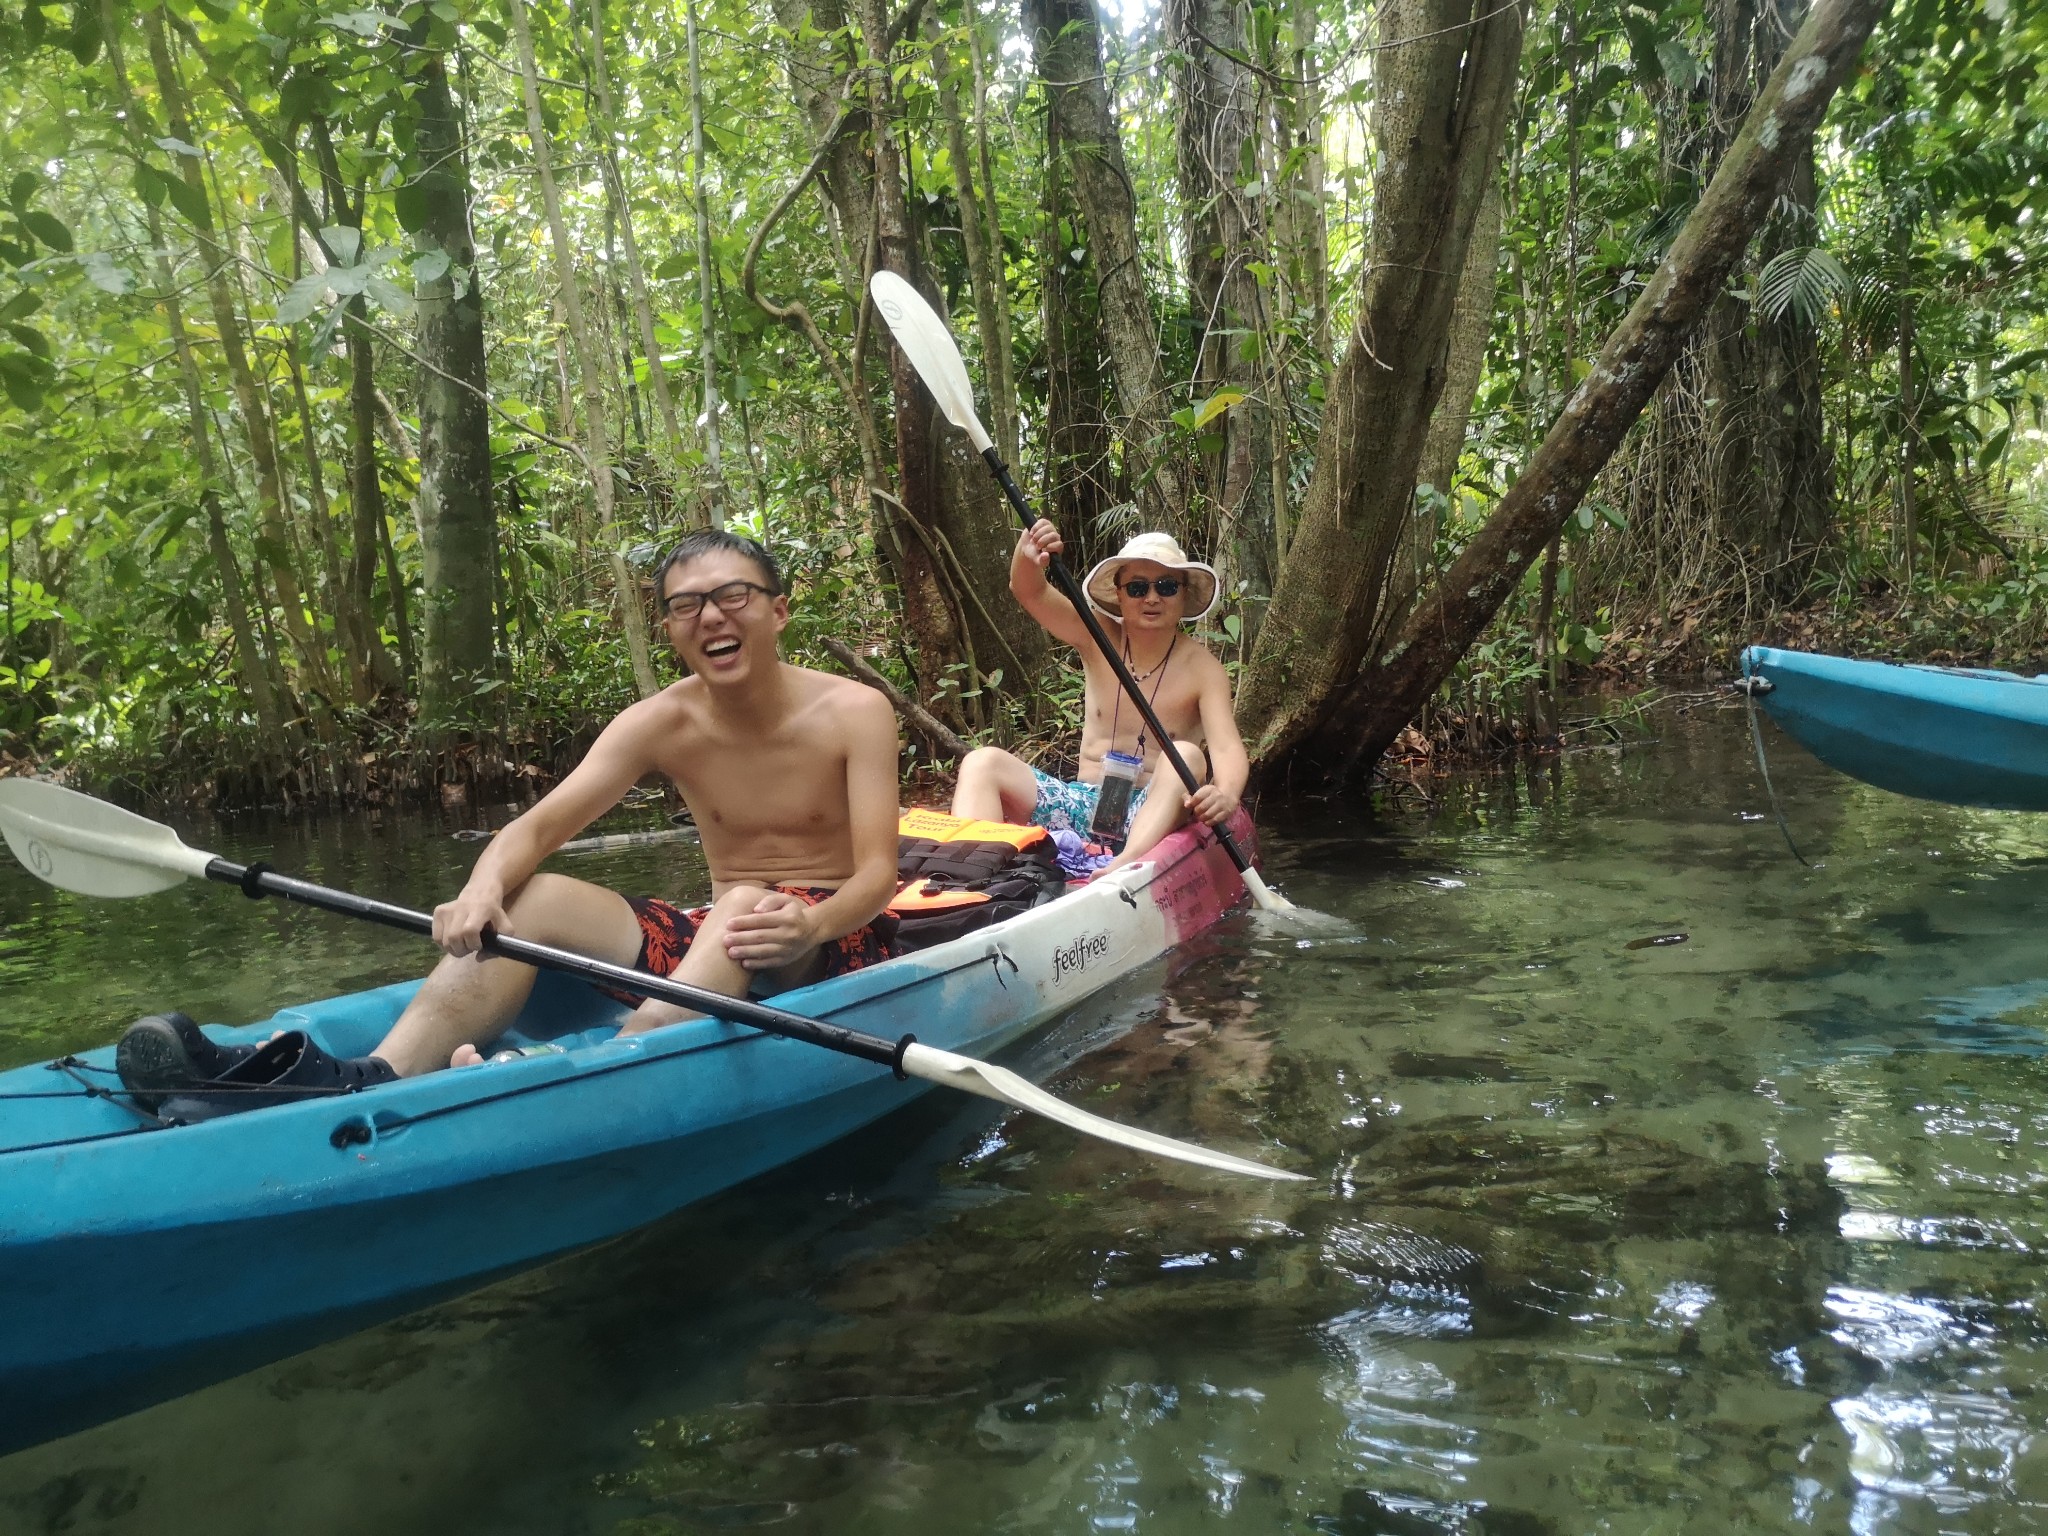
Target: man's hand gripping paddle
81	844
931	350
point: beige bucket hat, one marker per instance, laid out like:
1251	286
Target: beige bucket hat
1161	550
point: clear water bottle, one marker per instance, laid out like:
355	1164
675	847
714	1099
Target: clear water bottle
1113	806
520	1052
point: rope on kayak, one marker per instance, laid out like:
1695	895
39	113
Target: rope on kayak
75	1069
349	1133
77	1141
1756	736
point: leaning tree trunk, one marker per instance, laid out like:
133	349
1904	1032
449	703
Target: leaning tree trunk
1446	79
1066	36
1385	695
458	523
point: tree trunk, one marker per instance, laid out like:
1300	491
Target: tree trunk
367	512
1080	482
458	523
274	537
347	629
707	307
1301	230
1386	695
1446	79
597	452
984	264
1224	227
1002	382
1444	445
1771	475
256	679
1909	434
622	204
1066	38
370	660
938	633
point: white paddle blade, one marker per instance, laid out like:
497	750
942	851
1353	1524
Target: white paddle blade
1006	1087
86	845
1267	899
932	352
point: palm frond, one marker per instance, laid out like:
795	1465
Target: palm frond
1800	282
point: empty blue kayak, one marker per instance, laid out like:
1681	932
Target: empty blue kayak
1952	734
138	1262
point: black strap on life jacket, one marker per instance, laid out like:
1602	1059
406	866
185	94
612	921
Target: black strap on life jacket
954	887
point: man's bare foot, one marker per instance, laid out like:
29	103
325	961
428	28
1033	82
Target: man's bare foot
466	1056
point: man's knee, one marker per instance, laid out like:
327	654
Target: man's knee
985	762
1196	759
560	909
739	899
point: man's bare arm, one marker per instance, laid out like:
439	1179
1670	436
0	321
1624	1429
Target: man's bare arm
614	763
1035	548
1229	764
871	791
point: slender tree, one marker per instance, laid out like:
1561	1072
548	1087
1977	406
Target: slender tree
458	521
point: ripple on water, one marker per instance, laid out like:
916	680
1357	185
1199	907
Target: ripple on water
1578	1262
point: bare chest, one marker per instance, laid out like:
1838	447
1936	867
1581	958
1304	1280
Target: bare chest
1114	721
756	799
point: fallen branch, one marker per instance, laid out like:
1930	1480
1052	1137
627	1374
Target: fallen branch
914	714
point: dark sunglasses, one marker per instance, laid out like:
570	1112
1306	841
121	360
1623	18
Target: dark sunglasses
1165	586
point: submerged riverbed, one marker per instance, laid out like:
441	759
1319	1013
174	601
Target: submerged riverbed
1663	1184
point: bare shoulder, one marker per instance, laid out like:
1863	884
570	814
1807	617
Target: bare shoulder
1204	661
660	713
850	704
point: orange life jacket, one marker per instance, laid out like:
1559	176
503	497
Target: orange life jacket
959	875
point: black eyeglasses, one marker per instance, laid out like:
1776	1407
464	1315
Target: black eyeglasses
731	596
1165	586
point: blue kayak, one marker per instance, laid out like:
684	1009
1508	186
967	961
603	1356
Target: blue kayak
1952	734
138	1262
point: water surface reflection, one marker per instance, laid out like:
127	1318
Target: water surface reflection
1738	1232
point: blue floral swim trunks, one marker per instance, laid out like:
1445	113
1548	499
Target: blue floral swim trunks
1070	807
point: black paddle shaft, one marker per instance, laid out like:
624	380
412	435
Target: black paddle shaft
260	880
1071	590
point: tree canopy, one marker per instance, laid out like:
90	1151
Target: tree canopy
358	363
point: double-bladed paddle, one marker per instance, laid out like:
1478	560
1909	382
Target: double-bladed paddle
86	845
933	353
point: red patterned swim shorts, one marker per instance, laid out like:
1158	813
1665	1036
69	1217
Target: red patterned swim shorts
667	931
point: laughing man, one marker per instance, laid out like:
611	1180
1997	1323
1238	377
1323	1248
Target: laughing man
790	776
1143	594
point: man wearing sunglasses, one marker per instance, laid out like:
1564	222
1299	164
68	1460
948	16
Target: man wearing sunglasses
790	776
1144	594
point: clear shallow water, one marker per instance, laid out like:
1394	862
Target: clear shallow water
1734	1233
